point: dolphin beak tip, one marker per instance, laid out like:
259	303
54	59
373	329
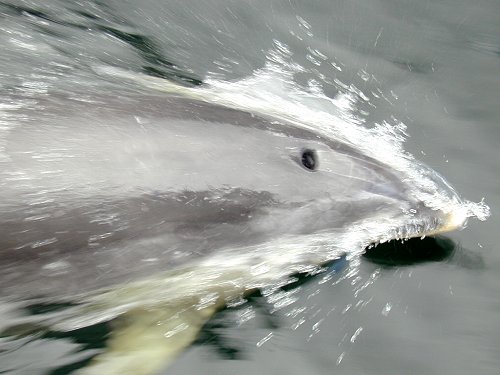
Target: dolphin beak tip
455	220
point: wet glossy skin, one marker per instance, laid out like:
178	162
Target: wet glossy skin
105	192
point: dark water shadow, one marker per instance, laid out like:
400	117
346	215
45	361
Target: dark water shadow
417	251
410	252
89	338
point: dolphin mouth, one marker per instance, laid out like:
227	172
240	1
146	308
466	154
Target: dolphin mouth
442	223
434	222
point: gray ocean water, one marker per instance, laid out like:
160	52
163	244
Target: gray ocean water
434	65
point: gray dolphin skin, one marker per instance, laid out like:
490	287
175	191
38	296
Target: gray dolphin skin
141	206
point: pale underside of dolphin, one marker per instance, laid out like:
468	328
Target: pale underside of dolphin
161	209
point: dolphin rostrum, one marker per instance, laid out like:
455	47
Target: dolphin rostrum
160	209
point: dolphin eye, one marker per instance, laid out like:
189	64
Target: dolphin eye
309	159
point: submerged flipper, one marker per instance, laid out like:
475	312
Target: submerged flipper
145	341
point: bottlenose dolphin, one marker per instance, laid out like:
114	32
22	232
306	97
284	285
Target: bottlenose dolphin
159	209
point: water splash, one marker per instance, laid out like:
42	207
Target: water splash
272	92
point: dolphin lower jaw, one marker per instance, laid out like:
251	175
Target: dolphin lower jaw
422	223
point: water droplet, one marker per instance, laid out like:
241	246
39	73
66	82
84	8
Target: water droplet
340	358
264	340
356	334
387	309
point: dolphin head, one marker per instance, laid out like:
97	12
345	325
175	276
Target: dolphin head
319	184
